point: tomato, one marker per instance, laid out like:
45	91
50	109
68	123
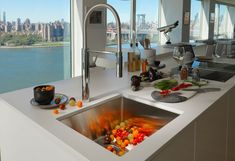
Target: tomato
126	142
56	112
62	107
110	148
135	142
79	104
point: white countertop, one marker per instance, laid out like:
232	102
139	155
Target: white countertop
103	81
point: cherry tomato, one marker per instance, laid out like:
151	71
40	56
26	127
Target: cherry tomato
79	104
56	112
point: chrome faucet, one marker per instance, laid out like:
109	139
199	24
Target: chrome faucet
86	51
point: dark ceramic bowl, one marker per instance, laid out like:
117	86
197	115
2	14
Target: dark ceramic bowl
44	94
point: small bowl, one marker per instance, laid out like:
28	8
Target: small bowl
44	94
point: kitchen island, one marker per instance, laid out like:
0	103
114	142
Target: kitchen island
204	129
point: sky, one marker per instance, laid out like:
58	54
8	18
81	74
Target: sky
150	9
51	10
123	9
35	10
195	8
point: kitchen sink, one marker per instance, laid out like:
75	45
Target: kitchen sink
213	65
220	76
102	122
218	66
216	71
221	73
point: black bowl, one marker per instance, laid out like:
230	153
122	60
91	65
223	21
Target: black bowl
44	94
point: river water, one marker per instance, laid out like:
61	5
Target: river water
25	67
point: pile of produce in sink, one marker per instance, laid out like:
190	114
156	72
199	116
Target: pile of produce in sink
119	124
129	133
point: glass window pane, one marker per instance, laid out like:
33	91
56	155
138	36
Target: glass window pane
34	42
123	9
147	20
195	22
222	18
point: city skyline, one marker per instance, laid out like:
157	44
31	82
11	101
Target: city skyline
3	18
36	11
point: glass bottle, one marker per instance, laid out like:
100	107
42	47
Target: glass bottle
131	59
184	73
137	57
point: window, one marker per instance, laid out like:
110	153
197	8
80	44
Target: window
123	9
196	20
224	21
34	42
147	20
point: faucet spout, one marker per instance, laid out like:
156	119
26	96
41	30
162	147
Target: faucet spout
85	52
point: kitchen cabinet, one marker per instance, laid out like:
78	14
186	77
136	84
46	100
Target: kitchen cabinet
205	139
231	126
181	148
211	129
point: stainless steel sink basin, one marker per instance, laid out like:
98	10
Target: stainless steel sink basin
98	120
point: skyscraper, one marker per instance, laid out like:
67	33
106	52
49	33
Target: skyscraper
4	17
18	25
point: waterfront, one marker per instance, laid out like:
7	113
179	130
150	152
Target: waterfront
24	67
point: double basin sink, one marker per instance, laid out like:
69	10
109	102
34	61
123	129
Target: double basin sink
97	121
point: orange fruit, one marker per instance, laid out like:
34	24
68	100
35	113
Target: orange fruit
79	104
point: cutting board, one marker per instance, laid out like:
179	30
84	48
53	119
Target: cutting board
173	97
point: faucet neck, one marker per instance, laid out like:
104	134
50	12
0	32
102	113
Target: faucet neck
85	52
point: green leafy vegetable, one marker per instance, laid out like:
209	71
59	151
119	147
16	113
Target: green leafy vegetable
166	84
199	84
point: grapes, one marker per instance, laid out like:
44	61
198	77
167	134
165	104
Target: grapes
130	137
122	124
72	103
117	127
57	100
